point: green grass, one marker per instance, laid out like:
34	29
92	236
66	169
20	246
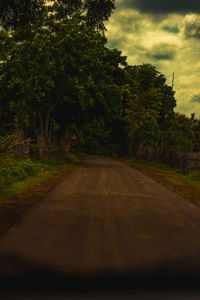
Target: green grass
18	175
193	178
172	175
66	159
155	164
18	187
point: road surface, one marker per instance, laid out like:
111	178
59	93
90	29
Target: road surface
104	218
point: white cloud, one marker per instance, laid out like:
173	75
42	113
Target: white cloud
170	43
191	26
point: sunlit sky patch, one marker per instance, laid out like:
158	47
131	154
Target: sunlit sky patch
165	34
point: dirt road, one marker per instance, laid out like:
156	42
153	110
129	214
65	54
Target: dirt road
106	217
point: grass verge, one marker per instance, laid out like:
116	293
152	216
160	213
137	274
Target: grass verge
187	186
16	176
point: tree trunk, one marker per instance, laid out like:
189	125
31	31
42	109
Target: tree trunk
43	137
130	149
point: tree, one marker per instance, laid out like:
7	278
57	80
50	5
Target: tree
14	13
102	68
60	74
41	72
184	133
149	104
94	12
18	12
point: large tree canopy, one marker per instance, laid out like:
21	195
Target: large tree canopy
149	104
15	13
57	77
18	12
60	73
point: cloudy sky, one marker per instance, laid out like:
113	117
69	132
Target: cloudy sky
165	34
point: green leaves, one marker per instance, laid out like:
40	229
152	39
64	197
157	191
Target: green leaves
149	104
56	71
62	74
18	12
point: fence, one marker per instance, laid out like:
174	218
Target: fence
188	162
16	146
192	162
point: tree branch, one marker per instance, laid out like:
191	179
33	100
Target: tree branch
57	100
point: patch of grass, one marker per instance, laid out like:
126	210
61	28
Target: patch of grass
12	170
20	186
193	178
18	175
155	164
66	159
174	179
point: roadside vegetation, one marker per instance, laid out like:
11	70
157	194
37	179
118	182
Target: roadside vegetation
17	175
187	185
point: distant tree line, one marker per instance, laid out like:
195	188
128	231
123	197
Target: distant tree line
58	78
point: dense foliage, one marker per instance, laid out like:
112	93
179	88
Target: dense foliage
15	13
58	78
18	12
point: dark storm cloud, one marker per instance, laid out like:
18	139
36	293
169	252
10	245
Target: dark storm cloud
171	29
163	6
161	51
161	56
117	43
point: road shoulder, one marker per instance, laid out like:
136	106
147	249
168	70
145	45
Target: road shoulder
169	179
11	209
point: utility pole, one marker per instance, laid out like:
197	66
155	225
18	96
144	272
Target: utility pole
173	81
